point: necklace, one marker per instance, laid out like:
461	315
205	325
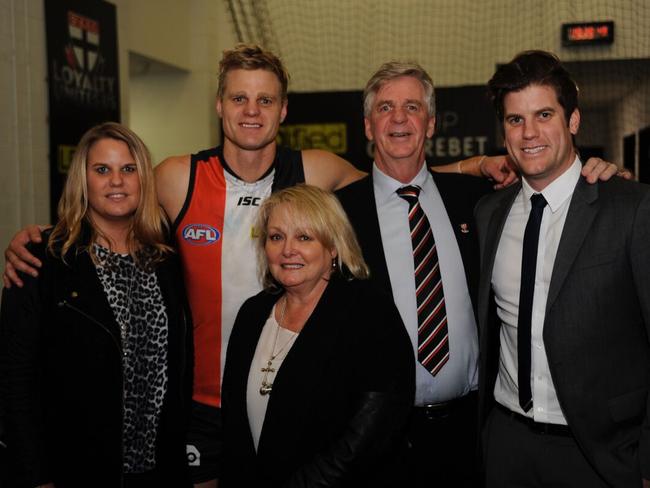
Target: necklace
267	386
119	267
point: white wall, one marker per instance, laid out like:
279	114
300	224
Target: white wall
24	186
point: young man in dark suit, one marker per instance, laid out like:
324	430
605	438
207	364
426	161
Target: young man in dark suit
565	360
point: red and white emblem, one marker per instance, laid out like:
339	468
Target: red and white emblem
84	42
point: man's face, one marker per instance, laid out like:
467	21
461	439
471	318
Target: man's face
251	108
537	136
399	123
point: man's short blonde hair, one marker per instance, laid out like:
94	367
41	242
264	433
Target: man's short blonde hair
250	57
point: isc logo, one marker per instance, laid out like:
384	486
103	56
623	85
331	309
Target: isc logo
200	234
248	201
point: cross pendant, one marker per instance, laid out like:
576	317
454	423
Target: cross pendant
267	370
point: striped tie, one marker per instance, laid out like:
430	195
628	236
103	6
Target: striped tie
433	335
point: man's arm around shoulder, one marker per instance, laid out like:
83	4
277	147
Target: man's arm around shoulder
172	183
328	171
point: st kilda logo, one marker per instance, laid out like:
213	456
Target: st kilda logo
83	78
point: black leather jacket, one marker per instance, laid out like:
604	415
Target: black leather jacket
61	370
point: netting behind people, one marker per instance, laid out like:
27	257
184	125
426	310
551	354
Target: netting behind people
337	44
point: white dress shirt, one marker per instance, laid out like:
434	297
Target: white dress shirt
506	282
459	375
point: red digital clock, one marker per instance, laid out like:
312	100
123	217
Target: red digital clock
588	33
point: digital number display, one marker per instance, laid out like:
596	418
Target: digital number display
588	33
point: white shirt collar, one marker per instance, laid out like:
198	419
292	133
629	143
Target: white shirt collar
386	186
559	190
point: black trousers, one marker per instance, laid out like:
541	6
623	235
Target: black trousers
518	456
443	440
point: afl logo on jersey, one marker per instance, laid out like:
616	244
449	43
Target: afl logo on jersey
200	234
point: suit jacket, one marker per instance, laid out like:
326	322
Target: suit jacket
459	193
340	399
596	325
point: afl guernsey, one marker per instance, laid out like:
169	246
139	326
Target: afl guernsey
214	235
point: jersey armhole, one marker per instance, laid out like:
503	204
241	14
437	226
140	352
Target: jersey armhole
188	197
289	169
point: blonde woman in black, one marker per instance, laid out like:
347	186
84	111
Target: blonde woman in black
97	350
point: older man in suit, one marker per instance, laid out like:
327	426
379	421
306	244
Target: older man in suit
400	206
564	301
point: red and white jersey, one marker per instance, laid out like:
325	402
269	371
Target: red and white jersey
215	239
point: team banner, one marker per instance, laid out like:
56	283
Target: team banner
83	77
465	125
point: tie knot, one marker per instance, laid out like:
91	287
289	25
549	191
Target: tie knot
538	201
409	193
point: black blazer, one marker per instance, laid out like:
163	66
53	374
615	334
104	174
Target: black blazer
597	322
339	401
459	193
61	369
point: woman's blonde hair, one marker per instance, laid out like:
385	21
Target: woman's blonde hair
319	213
146	240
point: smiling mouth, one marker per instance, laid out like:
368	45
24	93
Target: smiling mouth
533	150
291	266
250	126
399	134
116	196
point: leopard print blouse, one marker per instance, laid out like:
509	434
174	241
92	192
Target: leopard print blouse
137	303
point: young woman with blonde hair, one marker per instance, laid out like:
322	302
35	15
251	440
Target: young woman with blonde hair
97	349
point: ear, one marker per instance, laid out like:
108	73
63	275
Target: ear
368	128
219	107
574	122
431	127
283	111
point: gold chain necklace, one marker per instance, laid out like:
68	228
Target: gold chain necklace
267	386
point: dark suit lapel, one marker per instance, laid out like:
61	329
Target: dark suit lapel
360	206
581	214
459	206
493	234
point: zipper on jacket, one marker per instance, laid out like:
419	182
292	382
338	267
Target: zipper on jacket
66	304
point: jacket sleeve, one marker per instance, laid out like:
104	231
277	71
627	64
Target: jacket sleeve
378	419
20	325
639	254
385	399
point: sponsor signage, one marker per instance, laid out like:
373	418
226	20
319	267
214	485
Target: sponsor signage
333	121
83	77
